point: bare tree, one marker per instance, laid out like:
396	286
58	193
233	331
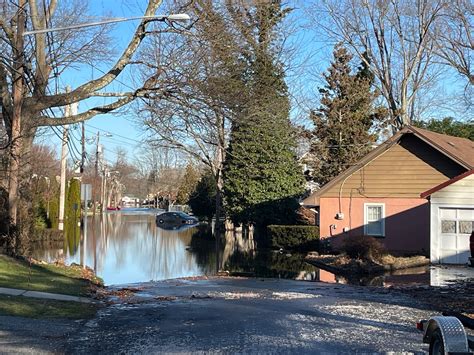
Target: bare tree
393	38
29	65
204	75
45	162
126	175
157	166
454	40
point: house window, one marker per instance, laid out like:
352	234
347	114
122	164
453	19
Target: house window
456	221
374	219
466	227
448	227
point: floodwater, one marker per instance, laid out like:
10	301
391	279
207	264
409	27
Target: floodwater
127	246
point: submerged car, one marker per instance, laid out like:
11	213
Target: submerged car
175	218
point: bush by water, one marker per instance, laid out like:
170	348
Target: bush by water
363	247
294	237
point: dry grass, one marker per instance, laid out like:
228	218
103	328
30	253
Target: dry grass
397	263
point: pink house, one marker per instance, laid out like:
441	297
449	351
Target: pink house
380	195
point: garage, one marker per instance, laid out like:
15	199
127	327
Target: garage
451	219
454	228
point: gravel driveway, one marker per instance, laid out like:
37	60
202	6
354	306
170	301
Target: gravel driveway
237	315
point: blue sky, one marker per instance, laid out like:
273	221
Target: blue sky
311	57
123	127
125	124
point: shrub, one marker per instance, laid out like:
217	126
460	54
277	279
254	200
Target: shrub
54	207
294	237
363	247
40	213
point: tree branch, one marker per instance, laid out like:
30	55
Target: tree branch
86	90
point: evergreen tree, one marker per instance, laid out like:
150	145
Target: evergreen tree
345	125
188	184
54	205
261	175
72	211
203	199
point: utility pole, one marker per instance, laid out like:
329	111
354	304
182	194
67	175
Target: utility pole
103	196
62	190
83	144
103	172
97	155
94	192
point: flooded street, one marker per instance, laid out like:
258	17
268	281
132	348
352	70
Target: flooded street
127	246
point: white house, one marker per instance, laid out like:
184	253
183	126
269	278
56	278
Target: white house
451	219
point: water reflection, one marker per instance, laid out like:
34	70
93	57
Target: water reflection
127	247
412	276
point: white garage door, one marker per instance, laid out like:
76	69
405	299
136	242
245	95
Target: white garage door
455	228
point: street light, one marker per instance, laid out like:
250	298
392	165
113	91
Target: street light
171	18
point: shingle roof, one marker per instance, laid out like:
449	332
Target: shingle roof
460	150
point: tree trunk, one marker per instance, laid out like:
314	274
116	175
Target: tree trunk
16	139
219	209
219	179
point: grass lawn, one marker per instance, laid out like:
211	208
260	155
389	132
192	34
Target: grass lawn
73	280
38	308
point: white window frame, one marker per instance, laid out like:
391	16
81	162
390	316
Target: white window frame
366	205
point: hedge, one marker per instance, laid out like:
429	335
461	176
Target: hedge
294	237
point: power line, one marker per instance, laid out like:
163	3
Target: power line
114	134
109	140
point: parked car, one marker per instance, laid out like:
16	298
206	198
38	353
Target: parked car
175	218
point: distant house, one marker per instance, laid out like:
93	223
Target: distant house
130	201
385	194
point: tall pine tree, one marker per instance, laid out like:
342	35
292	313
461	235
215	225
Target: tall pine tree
261	175
188	184
345	125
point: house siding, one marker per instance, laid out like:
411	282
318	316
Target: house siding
407	226
460	192
404	170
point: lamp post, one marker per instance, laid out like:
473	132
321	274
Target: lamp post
18	84
99	166
99	149
170	18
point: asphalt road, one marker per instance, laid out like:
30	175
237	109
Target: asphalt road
225	315
35	336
